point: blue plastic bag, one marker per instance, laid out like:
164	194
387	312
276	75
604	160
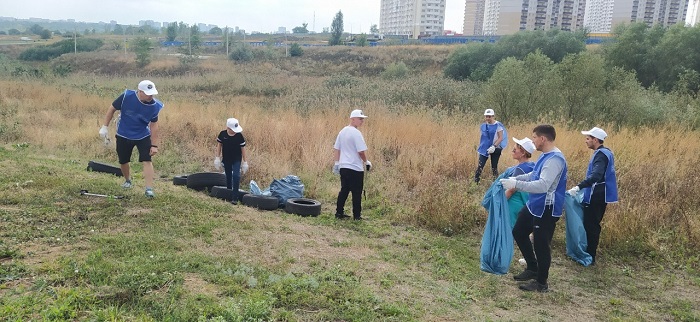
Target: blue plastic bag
497	242
255	189
287	187
576	242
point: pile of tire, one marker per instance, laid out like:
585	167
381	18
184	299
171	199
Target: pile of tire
205	180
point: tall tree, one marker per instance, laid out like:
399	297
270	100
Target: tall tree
171	31
36	29
336	29
373	29
142	48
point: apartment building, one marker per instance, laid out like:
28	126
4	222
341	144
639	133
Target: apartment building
412	18
603	15
504	17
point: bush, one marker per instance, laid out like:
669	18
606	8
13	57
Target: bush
296	50
241	52
45	53
395	71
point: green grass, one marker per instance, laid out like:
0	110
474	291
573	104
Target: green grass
186	257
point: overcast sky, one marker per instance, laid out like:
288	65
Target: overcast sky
251	15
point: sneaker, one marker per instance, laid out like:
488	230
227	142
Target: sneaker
534	286
126	184
341	216
149	193
358	218
525	275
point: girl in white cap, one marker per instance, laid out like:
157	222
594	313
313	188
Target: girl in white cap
230	151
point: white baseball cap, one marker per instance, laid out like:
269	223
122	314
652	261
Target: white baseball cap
147	87
357	113
527	144
233	124
489	112
596	132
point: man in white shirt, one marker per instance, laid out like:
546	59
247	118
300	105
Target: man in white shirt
351	163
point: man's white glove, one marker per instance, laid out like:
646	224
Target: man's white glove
104	130
368	165
509	183
217	163
336	168
573	191
491	149
244	167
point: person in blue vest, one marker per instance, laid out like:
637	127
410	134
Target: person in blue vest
137	126
492	135
599	187
522	152
546	185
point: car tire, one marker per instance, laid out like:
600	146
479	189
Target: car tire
205	180
221	192
303	207
180	180
261	202
104	168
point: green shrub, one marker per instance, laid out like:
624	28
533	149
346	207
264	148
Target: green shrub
395	71
241	52
45	53
295	50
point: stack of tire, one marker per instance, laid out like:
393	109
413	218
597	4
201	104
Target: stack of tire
215	184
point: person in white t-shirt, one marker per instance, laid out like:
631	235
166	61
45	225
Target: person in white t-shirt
350	163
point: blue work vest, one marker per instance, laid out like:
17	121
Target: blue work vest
134	116
488	134
610	183
536	203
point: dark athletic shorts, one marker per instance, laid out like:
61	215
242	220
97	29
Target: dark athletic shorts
125	147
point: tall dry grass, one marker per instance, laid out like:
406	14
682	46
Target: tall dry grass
423	159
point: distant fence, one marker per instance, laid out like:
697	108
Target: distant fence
440	40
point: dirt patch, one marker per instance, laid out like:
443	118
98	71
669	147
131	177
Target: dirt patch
196	285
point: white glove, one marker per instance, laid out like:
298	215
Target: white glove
368	165
104	130
573	191
491	149
244	167
336	168
509	183
217	163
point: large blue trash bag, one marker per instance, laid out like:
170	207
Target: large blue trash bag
497	242
576	242
255	189
287	187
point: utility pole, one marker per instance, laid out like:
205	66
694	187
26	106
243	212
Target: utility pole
75	41
226	41
286	48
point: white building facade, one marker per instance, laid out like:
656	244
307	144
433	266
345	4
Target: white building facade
412	18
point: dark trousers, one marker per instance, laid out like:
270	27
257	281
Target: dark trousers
592	216
543	231
233	178
482	162
350	181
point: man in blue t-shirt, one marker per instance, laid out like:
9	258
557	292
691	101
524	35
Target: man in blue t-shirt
137	126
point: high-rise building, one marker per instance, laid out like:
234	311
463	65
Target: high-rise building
503	17
603	15
474	18
412	18
693	17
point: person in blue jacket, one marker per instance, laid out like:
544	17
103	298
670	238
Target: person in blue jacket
492	135
599	187
546	185
137	126
522	152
